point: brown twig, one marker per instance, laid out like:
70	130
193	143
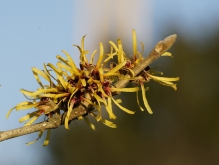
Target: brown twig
160	48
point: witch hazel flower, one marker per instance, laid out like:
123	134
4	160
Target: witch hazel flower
93	84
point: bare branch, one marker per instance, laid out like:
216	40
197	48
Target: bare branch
160	48
52	123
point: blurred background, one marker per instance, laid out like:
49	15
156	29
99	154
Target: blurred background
184	128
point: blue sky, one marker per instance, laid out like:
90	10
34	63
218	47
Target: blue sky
34	32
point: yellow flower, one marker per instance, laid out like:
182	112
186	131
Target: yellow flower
91	83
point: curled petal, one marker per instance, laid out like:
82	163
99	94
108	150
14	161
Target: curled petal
99	99
55	96
63	60
164	78
9	112
38	92
46	141
123	108
70	106
145	99
167	54
110	110
165	81
142	109
89	123
115	69
72	64
66	67
37	72
34	118
39	136
27	106
109	123
23	105
92	56
113	45
91	103
134	89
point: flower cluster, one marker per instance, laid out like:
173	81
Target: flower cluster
91	83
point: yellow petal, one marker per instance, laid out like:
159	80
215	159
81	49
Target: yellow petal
91	103
98	117
72	64
98	98
100	70
61	95
142	109
131	71
70	106
89	123
22	105
36	93
92	56
28	116
120	51
26	92
79	48
54	68
134	42
49	75
27	106
134	89
167	83
145	99
32	120
82	42
60	77
80	117
119	101
61	65
37	72
110	56
109	109
115	69
112	74
9	112
46	141
164	78
39	136
83	82
48	95
123	108
84	52
100	58
102	91
167	54
72	89
109	123
113	45
63	60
